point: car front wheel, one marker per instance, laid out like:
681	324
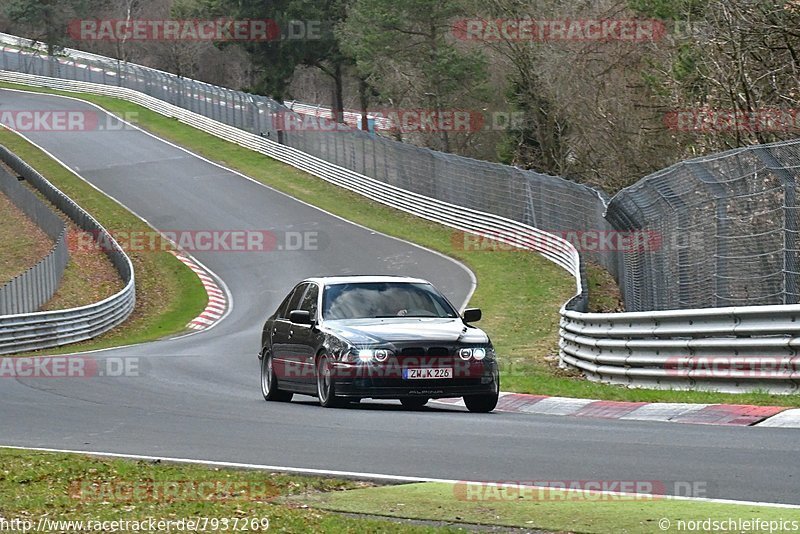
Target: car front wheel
326	390
269	381
481	403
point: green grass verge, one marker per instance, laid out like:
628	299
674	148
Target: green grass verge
551	510
72	487
520	292
168	294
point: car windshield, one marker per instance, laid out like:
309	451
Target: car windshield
383	299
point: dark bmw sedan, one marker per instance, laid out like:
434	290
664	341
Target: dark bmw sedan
343	339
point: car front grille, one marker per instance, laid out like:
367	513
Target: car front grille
426	351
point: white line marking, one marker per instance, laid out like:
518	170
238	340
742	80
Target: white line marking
381	476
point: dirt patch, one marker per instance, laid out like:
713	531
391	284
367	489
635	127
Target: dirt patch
604	293
90	276
22	242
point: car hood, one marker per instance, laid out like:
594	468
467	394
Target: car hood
412	329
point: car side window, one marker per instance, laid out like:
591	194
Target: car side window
293	302
309	302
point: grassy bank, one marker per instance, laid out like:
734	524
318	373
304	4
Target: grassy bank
545	509
73	487
168	294
64	487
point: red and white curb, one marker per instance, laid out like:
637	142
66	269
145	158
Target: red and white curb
673	412
217	301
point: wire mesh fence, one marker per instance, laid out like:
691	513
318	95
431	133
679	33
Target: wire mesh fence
713	231
729	224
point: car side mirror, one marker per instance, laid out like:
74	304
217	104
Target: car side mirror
300	317
472	315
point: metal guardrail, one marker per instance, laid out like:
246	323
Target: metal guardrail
31	289
41	330
723	349
652	348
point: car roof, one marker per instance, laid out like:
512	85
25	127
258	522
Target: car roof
364	279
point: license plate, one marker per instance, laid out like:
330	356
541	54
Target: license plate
427	373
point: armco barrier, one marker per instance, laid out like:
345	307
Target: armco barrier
641	348
30	290
723	349
41	330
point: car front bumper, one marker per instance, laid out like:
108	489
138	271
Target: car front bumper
383	382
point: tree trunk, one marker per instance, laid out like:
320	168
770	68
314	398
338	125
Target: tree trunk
363	101
338	99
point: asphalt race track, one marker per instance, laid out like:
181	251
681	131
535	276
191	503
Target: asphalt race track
198	397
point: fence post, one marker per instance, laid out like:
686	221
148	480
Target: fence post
790	226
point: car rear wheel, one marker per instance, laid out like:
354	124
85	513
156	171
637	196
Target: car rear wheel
269	382
481	403
413	403
326	390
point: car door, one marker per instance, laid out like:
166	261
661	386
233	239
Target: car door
284	360
305	336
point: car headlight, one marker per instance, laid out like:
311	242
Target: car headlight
477	353
365	355
368	355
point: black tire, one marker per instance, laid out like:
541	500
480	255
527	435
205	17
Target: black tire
326	389
481	403
414	403
269	382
